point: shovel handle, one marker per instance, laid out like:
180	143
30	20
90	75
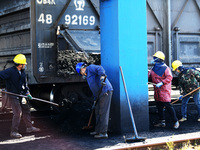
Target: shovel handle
152	83
128	101
187	94
100	90
89	122
37	99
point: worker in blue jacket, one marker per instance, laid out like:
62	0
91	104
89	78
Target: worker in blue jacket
15	78
95	75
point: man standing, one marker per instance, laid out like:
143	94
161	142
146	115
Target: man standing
188	81
161	75
95	77
16	83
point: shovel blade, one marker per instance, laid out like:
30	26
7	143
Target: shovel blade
87	127
135	139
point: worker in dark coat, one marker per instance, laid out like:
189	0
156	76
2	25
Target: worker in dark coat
161	75
15	78
189	79
95	75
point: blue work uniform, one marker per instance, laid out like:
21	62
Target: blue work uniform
94	72
102	109
16	83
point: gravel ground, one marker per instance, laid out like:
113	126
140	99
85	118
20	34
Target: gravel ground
58	134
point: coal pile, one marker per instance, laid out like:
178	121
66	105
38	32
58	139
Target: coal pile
67	60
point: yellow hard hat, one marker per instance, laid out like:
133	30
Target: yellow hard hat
176	64
20	59
160	55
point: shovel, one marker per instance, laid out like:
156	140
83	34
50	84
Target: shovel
95	103
152	83
187	94
37	99
136	138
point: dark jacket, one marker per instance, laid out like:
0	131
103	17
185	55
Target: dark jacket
15	82
188	80
94	72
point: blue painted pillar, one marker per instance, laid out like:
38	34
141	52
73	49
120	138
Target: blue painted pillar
124	43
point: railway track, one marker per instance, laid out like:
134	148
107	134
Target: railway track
169	142
150	143
34	114
6	115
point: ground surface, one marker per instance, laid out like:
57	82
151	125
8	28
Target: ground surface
57	133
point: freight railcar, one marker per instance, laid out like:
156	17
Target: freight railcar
56	34
173	26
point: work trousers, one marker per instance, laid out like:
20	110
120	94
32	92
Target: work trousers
102	111
19	110
185	102
160	106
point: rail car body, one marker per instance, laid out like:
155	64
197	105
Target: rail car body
56	34
174	27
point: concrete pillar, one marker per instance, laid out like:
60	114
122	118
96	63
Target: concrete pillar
124	43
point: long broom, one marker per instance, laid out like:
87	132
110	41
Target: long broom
136	138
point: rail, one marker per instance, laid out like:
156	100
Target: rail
162	143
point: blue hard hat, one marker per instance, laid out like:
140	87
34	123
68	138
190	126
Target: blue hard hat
79	66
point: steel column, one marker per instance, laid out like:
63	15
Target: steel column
124	43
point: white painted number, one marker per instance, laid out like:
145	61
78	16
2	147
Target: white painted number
48	19
79	20
41	18
92	20
74	20
45	19
67	19
85	20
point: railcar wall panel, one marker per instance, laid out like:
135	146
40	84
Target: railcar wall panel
15	33
186	32
183	42
10	6
154	27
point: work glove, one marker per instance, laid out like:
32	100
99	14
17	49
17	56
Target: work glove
180	98
84	77
29	97
24	101
158	85
102	81
93	106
